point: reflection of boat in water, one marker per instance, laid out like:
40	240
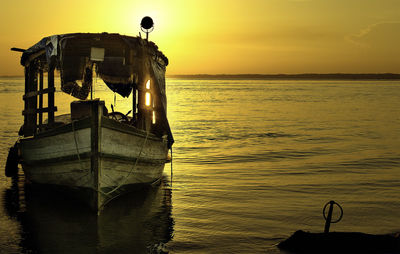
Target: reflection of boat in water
91	152
140	222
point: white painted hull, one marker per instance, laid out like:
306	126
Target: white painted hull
122	158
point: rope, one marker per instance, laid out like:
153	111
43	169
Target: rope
76	142
130	172
126	177
77	151
171	166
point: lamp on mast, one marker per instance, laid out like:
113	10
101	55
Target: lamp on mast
147	26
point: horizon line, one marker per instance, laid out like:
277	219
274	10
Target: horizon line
387	75
310	75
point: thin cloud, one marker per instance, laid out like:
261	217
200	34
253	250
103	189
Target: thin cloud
377	34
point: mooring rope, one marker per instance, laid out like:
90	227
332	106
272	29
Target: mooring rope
130	172
76	143
171	166
78	153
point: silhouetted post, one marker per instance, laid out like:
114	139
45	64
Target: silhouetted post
329	218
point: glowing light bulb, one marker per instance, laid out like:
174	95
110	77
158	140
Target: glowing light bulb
148	98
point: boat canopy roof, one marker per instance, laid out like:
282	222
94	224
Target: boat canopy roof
121	61
52	47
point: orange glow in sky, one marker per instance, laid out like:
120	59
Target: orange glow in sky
214	37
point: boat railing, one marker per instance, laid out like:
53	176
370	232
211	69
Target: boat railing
33	98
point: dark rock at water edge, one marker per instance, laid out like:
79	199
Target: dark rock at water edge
340	242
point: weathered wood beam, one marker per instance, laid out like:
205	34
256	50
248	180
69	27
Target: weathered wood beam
39	110
50	85
26	101
31	104
40	92
134	103
94	159
33	56
18	49
78	125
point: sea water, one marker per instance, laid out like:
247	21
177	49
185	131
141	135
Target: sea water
253	161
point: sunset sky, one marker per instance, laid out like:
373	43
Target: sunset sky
218	36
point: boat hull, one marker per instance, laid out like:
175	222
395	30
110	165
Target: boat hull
95	159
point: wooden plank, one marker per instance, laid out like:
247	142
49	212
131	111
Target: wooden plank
125	128
40	97
129	161
38	110
80	124
94	159
50	85
26	102
58	160
130	145
115	171
134	103
18	49
40	92
71	174
31	116
61	145
33	56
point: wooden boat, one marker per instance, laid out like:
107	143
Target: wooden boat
91	152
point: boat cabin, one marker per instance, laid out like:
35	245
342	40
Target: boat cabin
130	66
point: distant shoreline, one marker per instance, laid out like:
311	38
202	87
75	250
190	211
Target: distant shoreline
304	76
